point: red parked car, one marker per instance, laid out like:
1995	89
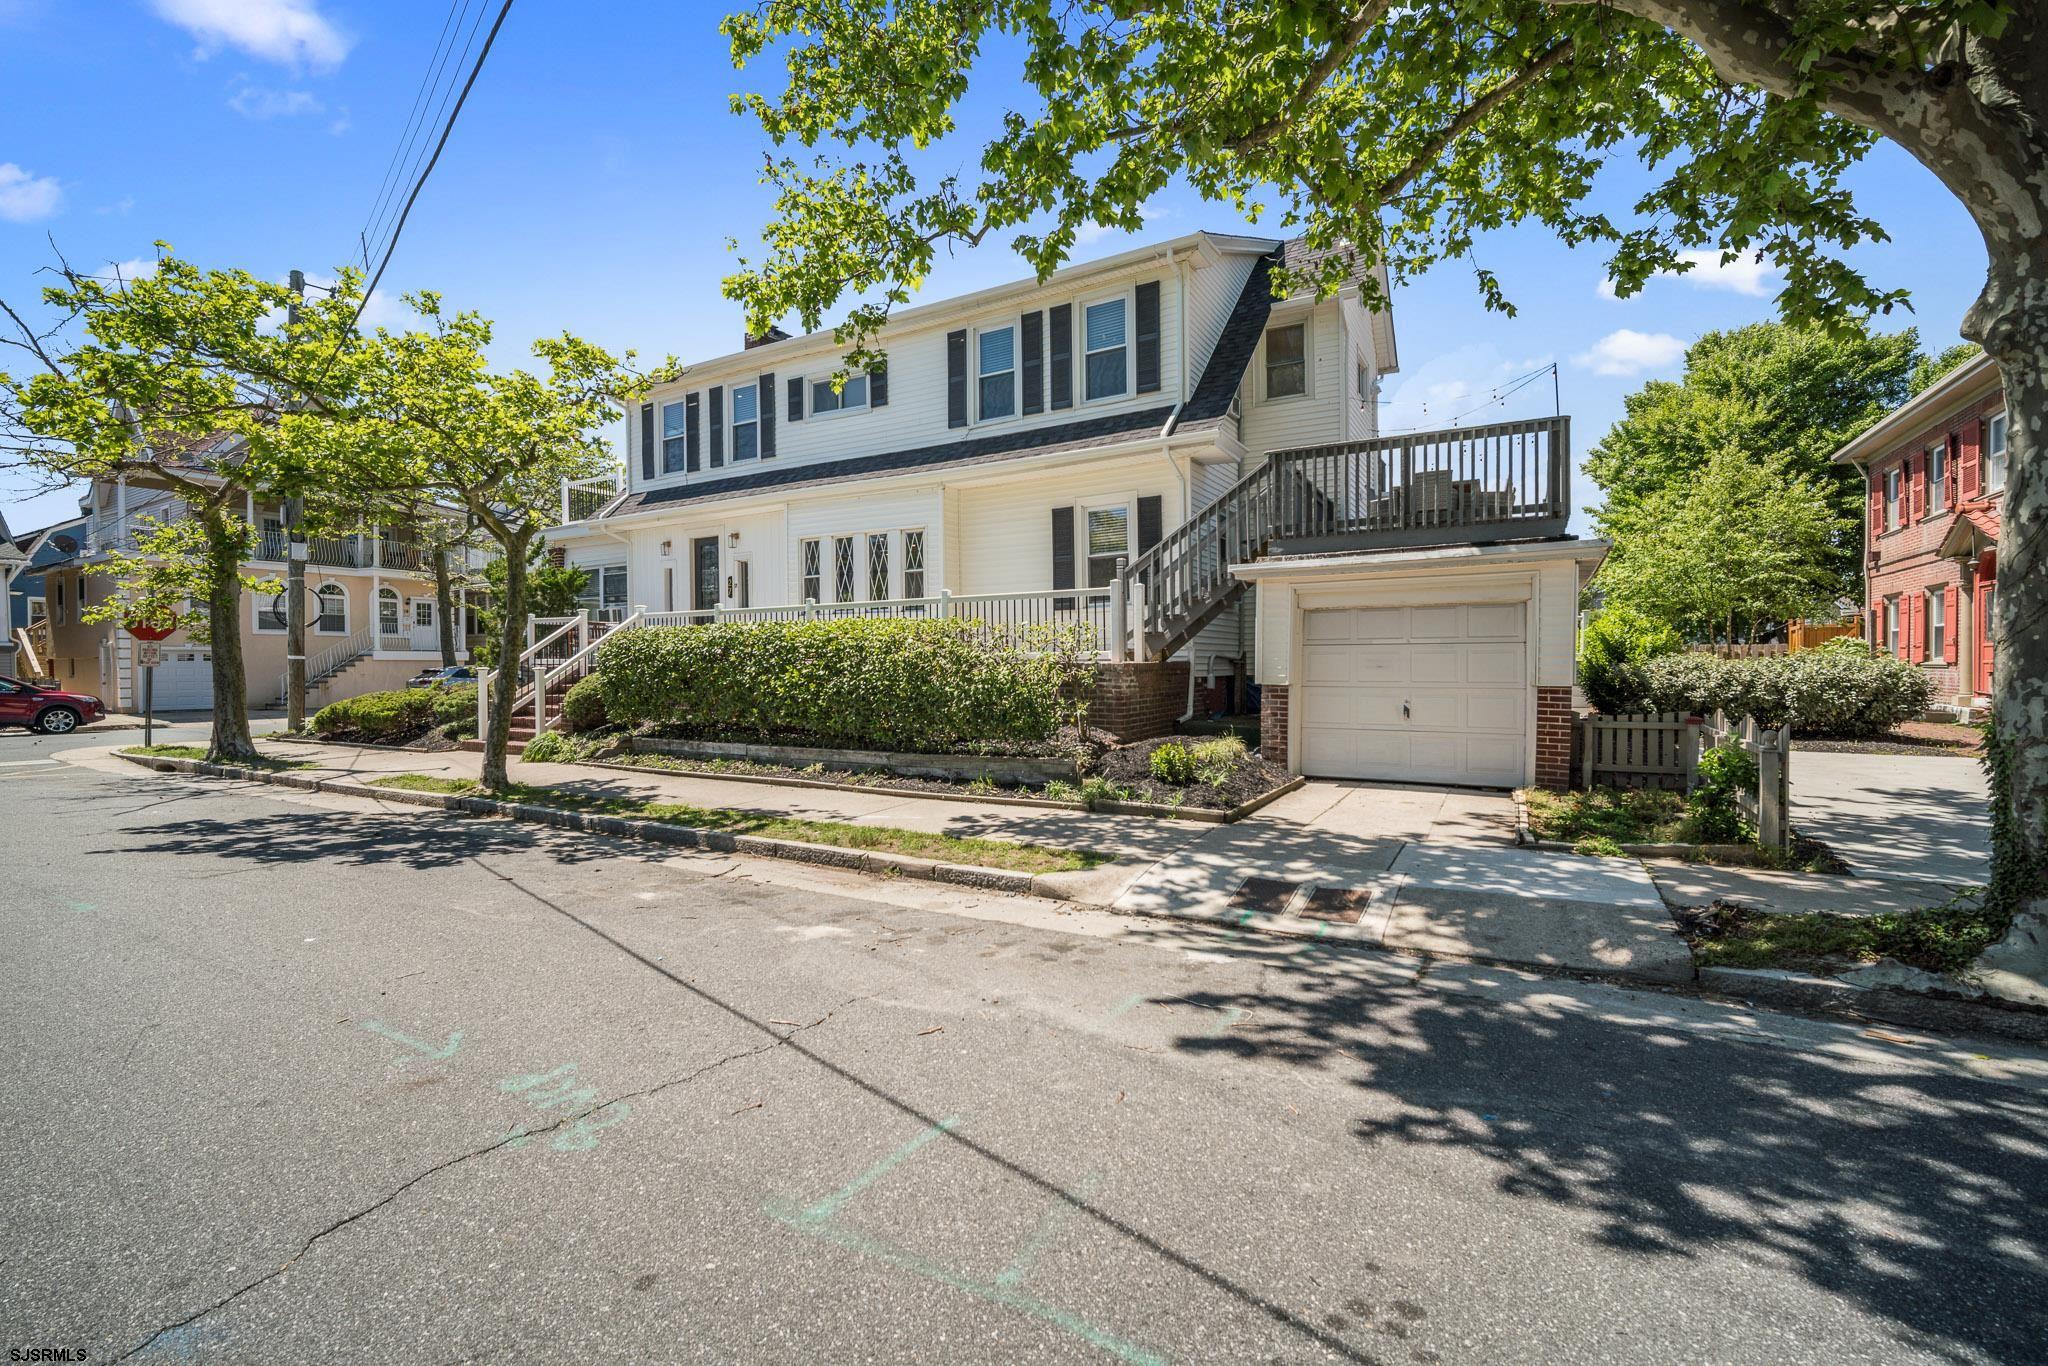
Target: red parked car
46	709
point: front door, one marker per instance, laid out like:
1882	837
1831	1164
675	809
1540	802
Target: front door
704	573
1987	595
426	633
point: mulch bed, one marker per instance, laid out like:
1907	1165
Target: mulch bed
1909	737
1124	766
1131	766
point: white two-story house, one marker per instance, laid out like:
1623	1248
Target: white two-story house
1160	414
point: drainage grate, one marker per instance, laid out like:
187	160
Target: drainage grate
1265	895
1337	905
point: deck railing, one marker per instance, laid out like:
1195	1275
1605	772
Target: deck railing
583	499
1460	485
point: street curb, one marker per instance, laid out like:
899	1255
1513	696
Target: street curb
1803	991
657	832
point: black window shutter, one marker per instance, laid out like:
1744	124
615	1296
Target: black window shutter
1034	362
1148	337
1063	556
717	425
878	387
764	404
647	441
1060	355
796	400
956	379
1149	529
693	446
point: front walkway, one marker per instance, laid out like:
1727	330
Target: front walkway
1925	818
1421	869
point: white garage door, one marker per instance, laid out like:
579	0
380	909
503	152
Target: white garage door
184	681
1416	694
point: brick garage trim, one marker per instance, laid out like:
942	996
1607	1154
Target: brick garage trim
1273	724
1139	701
1555	721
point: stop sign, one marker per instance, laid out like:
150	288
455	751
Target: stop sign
141	632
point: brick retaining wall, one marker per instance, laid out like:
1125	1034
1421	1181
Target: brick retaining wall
1139	701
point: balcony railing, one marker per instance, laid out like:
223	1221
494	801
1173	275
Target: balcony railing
583	499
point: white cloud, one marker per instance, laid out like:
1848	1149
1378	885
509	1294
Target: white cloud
1629	352
1753	274
24	198
135	268
290	32
259	102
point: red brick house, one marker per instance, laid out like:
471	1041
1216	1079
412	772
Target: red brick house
1935	471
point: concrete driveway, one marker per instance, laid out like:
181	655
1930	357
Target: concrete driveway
1922	817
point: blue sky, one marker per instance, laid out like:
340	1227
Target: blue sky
597	174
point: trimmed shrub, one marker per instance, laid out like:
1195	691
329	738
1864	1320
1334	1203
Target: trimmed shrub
583	705
398	715
1612	652
1820	693
900	684
1173	762
454	703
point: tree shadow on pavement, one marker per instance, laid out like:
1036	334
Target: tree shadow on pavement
1910	1192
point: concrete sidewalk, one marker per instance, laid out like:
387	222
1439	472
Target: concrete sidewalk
1430	870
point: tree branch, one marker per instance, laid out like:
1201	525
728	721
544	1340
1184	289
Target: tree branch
1325	66
1474	114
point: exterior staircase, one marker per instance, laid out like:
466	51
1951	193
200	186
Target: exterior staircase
329	663
1460	486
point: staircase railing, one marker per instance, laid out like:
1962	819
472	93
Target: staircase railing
576	665
1418	488
525	665
329	662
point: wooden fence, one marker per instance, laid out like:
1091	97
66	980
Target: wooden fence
1769	808
1805	635
1659	749
1662	750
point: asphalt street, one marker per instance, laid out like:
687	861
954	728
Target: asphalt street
295	1077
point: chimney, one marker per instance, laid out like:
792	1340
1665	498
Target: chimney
773	334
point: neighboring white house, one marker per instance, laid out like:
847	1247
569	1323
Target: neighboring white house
1027	441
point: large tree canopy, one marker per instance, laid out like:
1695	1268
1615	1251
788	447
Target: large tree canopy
1782	397
1405	131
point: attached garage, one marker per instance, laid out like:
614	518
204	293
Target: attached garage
1449	665
184	681
1433	694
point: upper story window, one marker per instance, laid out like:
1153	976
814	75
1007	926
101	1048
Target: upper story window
996	367
1937	476
672	438
826	399
1287	360
1106	362
1892	481
746	422
1994	454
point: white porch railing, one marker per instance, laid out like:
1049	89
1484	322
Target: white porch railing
583	499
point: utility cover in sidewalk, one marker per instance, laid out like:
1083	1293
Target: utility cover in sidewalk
1265	895
1338	905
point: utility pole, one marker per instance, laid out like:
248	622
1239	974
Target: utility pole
295	575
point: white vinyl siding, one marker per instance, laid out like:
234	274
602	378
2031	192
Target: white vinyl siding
1311	420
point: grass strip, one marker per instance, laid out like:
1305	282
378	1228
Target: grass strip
984	853
1944	938
198	752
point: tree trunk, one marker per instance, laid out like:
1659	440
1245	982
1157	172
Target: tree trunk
226	545
444	602
511	642
2020	671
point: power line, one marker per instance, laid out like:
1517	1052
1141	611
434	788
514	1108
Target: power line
432	161
1499	395
435	112
430	79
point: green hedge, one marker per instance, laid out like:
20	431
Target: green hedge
896	684
399	715
583	705
1827	693
1612	651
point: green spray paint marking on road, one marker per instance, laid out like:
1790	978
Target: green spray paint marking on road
995	1293
557	1089
1231	1015
832	1203
1027	1256
424	1050
818	1219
